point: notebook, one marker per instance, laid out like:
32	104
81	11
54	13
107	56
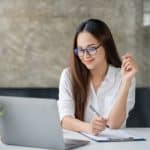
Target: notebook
113	135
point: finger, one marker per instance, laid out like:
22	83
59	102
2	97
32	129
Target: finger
95	132
99	126
100	119
127	62
127	59
102	122
127	55
100	129
128	68
96	127
124	62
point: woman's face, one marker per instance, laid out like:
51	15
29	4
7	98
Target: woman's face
86	40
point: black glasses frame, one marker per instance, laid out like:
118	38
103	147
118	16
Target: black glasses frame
89	50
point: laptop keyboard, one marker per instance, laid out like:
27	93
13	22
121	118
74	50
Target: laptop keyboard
74	143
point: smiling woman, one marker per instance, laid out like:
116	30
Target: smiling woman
96	76
94	50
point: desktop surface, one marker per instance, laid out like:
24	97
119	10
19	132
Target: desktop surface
138	145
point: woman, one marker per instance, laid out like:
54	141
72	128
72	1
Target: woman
97	90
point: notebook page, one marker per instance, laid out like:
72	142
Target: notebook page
113	135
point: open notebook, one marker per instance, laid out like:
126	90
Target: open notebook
113	135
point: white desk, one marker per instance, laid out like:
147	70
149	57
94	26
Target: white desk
140	145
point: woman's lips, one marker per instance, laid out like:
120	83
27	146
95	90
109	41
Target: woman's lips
88	61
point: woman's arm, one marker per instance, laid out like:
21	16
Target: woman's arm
95	126
73	124
118	113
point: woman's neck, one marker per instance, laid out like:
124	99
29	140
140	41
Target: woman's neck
99	73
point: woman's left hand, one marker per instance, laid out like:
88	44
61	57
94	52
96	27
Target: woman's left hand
129	67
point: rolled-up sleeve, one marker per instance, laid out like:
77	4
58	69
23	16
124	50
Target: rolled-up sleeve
65	102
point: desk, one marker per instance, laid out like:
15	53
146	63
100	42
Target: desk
140	145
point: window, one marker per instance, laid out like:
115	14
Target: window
146	12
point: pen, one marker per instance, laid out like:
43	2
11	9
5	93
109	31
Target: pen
94	110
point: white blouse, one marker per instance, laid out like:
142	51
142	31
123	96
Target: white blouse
102	100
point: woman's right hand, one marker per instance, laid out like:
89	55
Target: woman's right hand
97	125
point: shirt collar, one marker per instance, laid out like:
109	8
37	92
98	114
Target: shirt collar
110	73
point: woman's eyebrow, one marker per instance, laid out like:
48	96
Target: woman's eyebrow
93	44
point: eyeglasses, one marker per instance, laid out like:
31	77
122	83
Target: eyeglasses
90	50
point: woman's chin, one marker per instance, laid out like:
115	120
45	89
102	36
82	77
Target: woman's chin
90	66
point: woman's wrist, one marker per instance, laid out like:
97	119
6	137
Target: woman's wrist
124	88
126	82
87	127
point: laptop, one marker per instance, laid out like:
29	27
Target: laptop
33	122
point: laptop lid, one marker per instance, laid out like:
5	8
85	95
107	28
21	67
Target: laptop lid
32	122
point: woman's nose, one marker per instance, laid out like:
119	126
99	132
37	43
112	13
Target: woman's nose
86	54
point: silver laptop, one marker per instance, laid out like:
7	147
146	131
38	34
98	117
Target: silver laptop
33	122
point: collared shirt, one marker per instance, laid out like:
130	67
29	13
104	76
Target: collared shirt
103	100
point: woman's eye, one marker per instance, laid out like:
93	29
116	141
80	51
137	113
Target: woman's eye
91	48
81	50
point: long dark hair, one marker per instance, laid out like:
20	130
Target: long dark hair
79	73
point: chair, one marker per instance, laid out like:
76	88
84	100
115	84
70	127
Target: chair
139	116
